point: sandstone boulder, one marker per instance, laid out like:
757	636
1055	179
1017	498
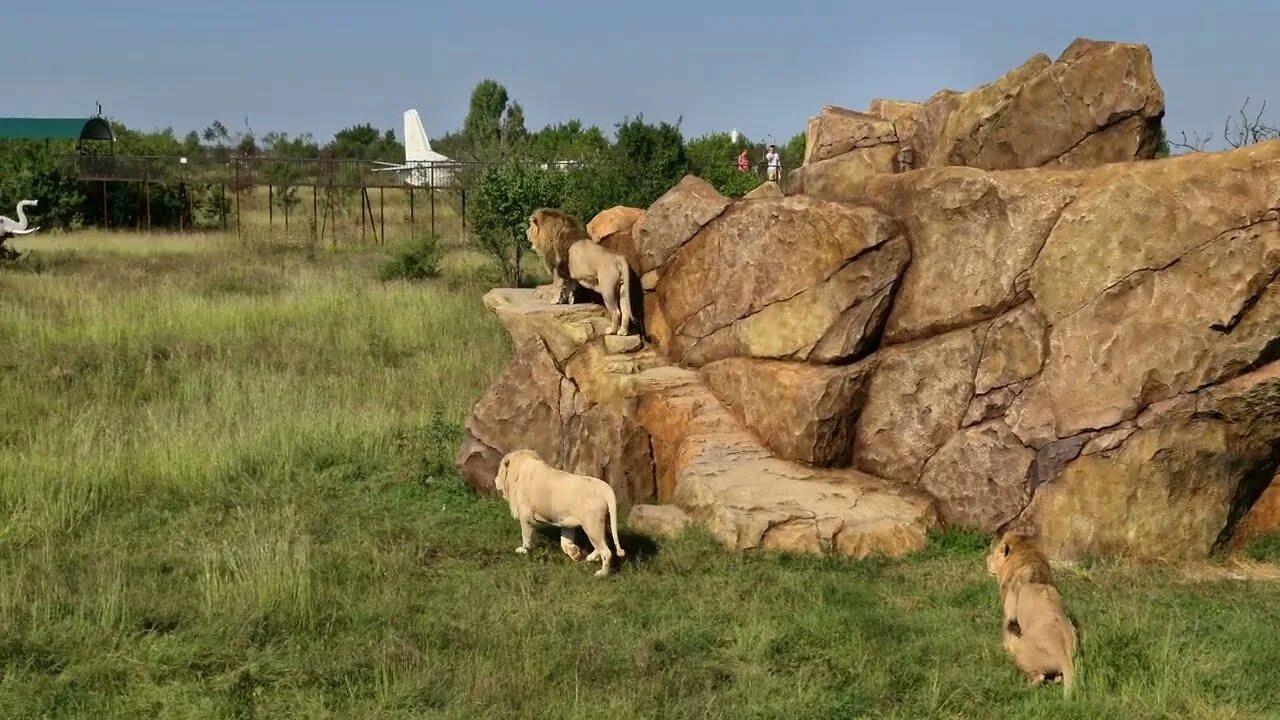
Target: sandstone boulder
665	521
799	411
672	221
843	177
522	409
974	238
767	190
837	131
619	218
917	397
1098	103
612	228
979	476
796	279
1166	493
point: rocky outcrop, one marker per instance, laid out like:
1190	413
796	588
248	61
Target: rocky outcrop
1098	103
672	221
799	411
1090	350
535	404
613	228
795	279
708	464
838	131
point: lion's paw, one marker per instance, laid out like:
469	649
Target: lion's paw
522	550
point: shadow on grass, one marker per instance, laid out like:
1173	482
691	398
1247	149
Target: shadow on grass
639	548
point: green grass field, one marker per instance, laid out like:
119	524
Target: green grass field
228	492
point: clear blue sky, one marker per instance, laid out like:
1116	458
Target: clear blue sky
764	67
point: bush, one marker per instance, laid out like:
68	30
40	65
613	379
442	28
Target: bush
505	195
417	259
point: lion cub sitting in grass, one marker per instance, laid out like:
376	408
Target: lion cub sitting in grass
1037	632
538	492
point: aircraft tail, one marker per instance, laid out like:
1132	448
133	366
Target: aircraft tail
416	145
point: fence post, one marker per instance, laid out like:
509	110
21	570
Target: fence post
237	191
411	218
271	209
222	204
363	197
382	213
146	193
106	222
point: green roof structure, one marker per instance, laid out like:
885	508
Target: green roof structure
94	128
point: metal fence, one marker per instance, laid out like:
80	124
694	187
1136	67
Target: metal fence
331	183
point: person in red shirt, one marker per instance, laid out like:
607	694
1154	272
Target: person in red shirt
743	162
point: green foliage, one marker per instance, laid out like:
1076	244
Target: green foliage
514	133
567	141
414	259
503	197
1163	149
32	170
483	125
643	163
793	152
1265	549
364	142
646	160
714	158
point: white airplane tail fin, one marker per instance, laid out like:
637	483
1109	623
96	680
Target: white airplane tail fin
416	145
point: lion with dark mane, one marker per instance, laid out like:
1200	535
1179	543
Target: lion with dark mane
575	259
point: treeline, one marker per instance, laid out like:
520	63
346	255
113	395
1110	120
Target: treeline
565	164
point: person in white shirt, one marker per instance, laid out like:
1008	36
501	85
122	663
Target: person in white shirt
773	162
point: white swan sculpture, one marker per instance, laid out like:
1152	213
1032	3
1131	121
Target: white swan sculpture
10	227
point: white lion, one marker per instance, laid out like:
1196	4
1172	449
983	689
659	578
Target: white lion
538	492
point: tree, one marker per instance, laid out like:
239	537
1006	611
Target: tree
793	152
503	197
1236	132
567	141
647	160
1245	131
714	158
365	142
514	133
483	125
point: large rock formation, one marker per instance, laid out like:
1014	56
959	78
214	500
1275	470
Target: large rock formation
619	416
1098	103
1049	338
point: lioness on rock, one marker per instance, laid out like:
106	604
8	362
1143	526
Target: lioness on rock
575	259
1036	629
538	492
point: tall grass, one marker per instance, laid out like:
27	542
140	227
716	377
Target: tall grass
226	491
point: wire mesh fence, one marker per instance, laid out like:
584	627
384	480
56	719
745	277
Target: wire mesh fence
322	197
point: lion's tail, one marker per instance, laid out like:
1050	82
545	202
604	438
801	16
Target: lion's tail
624	294
1069	664
613	522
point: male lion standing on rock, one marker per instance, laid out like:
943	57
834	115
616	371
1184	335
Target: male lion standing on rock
1037	632
538	492
575	259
